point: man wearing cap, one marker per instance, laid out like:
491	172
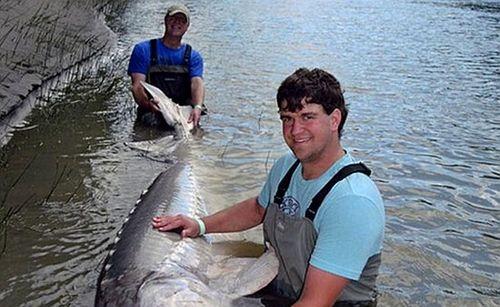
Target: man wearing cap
170	65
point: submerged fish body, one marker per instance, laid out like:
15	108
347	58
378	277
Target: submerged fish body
174	115
146	267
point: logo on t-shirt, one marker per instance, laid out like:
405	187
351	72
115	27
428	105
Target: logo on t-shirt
289	206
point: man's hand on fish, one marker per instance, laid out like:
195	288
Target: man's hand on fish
195	116
186	226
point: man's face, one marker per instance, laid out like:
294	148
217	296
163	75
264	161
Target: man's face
177	24
309	132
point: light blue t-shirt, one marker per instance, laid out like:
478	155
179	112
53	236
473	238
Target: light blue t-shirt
140	60
350	221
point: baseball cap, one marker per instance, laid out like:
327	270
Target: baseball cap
178	8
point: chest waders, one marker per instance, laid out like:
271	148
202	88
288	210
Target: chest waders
173	80
294	238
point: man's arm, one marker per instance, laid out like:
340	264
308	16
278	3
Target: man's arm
241	216
197	98
140	96
320	288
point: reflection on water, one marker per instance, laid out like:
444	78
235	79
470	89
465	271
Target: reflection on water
422	80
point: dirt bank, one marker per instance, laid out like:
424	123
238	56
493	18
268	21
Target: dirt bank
42	39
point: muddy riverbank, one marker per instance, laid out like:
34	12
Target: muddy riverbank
45	43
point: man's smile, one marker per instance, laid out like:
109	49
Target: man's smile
301	140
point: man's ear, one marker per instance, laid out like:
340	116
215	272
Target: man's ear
336	117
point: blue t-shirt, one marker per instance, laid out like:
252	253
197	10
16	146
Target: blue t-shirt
350	221
141	58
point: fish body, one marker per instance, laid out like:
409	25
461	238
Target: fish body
146	267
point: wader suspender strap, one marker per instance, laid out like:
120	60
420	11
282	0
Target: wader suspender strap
187	55
154	53
343	173
284	183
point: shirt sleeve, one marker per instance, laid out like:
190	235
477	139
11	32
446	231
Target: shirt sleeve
196	65
139	60
350	232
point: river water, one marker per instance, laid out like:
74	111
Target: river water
422	80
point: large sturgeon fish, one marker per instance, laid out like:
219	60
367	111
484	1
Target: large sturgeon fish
146	267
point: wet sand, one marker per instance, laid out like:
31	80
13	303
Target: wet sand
40	41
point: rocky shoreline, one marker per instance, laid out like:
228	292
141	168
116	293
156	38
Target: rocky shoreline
40	41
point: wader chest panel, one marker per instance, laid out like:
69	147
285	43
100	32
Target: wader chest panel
173	80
